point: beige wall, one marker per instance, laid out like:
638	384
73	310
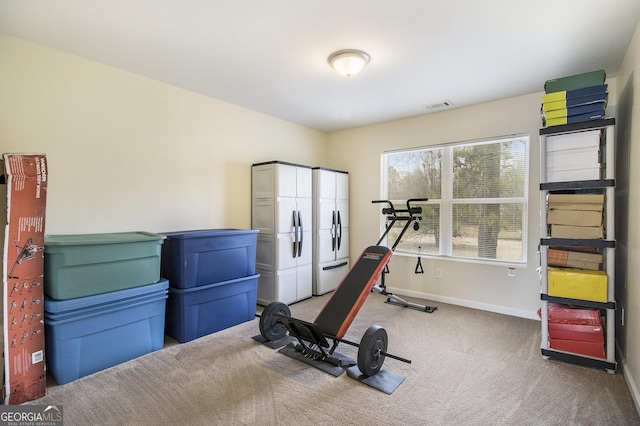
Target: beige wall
477	285
129	153
627	208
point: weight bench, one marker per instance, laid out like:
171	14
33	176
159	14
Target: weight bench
311	339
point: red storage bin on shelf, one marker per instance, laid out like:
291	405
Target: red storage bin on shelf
583	333
575	330
564	314
592	349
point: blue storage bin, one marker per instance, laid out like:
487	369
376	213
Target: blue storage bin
197	258
199	311
86	335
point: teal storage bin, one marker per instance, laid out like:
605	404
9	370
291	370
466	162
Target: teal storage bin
88	264
88	334
199	311
197	258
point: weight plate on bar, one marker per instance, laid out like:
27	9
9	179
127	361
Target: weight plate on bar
270	327
371	352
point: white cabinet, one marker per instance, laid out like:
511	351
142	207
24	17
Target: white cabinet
330	228
281	209
602	184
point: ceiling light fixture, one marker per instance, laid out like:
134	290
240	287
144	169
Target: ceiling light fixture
348	62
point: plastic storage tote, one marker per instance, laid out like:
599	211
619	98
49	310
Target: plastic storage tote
87	264
89	334
199	311
197	258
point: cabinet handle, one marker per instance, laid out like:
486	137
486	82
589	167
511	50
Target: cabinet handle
339	230
333	231
295	233
337	265
301	232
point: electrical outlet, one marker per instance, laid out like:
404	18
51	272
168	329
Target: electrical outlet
438	272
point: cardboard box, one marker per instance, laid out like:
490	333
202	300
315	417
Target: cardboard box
577	140
24	226
565	202
596	207
573	259
574	217
594	202
577	232
577	284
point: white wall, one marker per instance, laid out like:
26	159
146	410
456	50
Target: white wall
127	153
627	208
477	285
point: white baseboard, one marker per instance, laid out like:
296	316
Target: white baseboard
466	303
631	384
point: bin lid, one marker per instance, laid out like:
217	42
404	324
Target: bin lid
204	288
80	303
95	239
201	233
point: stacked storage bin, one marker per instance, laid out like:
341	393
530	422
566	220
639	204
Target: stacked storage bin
104	301
576	330
574	99
213	284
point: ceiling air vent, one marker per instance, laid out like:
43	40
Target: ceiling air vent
439	105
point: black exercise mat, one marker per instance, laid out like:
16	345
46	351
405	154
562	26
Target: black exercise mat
384	381
274	344
325	366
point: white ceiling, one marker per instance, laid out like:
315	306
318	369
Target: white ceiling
271	56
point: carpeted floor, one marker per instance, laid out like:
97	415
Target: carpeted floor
469	368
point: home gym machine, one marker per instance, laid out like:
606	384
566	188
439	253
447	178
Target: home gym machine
311	339
410	215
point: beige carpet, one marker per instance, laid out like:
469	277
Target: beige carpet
469	368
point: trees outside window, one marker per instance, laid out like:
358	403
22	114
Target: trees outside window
477	194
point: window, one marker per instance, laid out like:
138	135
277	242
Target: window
477	193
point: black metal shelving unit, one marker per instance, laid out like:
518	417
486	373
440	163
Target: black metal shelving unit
605	185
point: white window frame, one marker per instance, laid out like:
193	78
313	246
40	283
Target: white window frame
446	202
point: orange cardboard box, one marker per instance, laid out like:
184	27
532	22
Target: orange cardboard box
24	191
574	259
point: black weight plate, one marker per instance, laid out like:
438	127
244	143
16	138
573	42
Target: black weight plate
371	352
270	327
